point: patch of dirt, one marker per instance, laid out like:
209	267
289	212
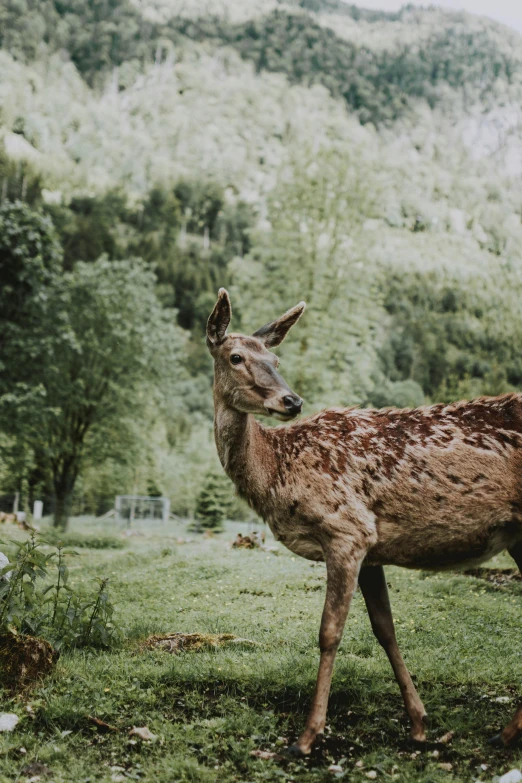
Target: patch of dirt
183	642
36	769
496	576
24	660
253	541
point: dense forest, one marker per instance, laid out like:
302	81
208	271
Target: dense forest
151	152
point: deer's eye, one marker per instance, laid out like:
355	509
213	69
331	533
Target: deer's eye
236	358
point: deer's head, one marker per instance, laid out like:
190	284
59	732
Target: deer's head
245	370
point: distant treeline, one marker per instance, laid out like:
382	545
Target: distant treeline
352	11
377	85
188	233
191	232
113	365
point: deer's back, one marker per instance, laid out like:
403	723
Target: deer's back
441	484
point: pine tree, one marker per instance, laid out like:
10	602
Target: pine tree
214	501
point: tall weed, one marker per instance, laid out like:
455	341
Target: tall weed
65	616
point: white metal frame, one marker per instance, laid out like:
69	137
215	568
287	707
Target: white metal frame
136	503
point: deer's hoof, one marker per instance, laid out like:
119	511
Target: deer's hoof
496	741
418	736
296	752
418	731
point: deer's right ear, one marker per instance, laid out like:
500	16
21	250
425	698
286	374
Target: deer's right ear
219	319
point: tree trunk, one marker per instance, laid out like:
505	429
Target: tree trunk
63	484
61	511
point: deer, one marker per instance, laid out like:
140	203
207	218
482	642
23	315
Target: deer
433	488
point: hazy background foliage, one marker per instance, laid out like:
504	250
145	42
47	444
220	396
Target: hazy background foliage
151	152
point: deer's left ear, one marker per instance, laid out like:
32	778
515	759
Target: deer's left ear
274	333
219	319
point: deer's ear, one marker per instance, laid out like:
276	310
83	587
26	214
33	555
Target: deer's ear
274	333
219	319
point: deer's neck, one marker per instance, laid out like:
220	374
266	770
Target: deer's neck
244	451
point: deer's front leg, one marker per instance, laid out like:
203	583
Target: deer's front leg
342	573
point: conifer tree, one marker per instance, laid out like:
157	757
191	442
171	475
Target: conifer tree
214	500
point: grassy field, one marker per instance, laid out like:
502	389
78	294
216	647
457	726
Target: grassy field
460	636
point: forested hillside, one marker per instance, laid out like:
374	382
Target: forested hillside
368	163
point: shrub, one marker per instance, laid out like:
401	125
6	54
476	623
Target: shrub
82	541
64	616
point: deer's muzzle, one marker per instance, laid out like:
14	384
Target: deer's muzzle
289	406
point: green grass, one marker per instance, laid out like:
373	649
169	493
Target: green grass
80	540
460	636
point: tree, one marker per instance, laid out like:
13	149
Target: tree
30	267
96	351
88	226
451	335
214	500
315	251
19	180
30	264
123	356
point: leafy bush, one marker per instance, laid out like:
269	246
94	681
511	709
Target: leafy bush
65	616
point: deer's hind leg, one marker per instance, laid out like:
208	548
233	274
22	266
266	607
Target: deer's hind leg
375	592
513	730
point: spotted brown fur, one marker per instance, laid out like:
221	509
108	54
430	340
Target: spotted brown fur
434	487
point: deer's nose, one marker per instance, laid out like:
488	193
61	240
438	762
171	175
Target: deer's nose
292	403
